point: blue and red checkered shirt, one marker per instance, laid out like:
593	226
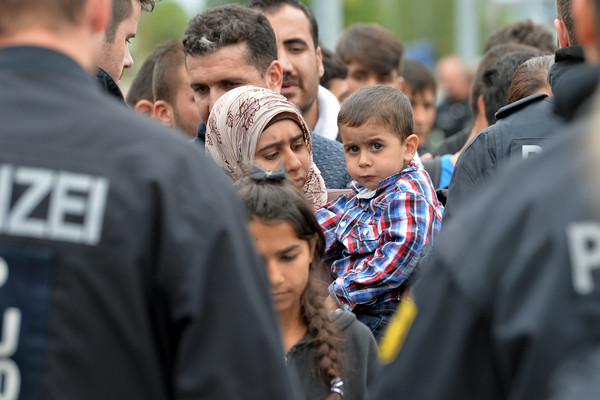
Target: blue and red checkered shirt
372	240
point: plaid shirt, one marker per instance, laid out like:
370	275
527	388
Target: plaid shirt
372	240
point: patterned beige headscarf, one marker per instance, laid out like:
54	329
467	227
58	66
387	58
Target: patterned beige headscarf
235	124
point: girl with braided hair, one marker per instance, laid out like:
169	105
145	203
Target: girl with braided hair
331	354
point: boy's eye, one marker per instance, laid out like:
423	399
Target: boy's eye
352	149
376	146
289	257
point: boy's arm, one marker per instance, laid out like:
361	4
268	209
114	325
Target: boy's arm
329	216
404	228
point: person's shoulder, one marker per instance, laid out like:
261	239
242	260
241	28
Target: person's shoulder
346	322
323	143
527	191
412	179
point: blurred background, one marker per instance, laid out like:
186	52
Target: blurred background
429	29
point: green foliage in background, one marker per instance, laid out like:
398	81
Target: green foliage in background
410	20
168	21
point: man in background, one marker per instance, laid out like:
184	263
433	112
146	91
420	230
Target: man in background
115	56
173	98
231	46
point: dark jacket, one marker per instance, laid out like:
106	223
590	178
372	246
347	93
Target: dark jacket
454	143
359	357
512	289
328	155
108	85
522	128
131	274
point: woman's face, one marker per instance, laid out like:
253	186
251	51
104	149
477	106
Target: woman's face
283	141
287	259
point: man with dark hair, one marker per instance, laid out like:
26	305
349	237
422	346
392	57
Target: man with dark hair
372	54
299	53
173	98
334	77
124	273
512	291
525	32
140	96
231	46
114	56
226	47
524	128
497	78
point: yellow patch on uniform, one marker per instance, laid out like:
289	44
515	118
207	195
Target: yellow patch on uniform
396	332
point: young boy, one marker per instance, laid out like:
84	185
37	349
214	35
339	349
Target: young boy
392	212
420	88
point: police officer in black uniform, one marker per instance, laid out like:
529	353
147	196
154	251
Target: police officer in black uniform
125	269
512	292
523	128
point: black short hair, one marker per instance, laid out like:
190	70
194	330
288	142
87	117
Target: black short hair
497	78
525	32
165	78
334	67
122	9
232	24
141	86
488	59
563	12
417	76
372	46
382	104
273	5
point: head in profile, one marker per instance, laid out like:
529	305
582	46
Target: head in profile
253	125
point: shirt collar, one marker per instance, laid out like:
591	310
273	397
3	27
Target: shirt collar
384	184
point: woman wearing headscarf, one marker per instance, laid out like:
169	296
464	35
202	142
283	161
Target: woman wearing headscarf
252	125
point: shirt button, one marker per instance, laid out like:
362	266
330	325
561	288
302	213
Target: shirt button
343	224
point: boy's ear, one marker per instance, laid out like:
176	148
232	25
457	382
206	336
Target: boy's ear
411	143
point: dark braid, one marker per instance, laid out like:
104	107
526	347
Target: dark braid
325	335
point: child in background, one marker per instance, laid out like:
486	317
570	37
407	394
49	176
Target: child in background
420	88
330	354
373	233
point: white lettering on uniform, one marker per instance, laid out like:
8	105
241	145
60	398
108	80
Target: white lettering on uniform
12	379
529	149
584	247
9	342
11	324
58	186
3	272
